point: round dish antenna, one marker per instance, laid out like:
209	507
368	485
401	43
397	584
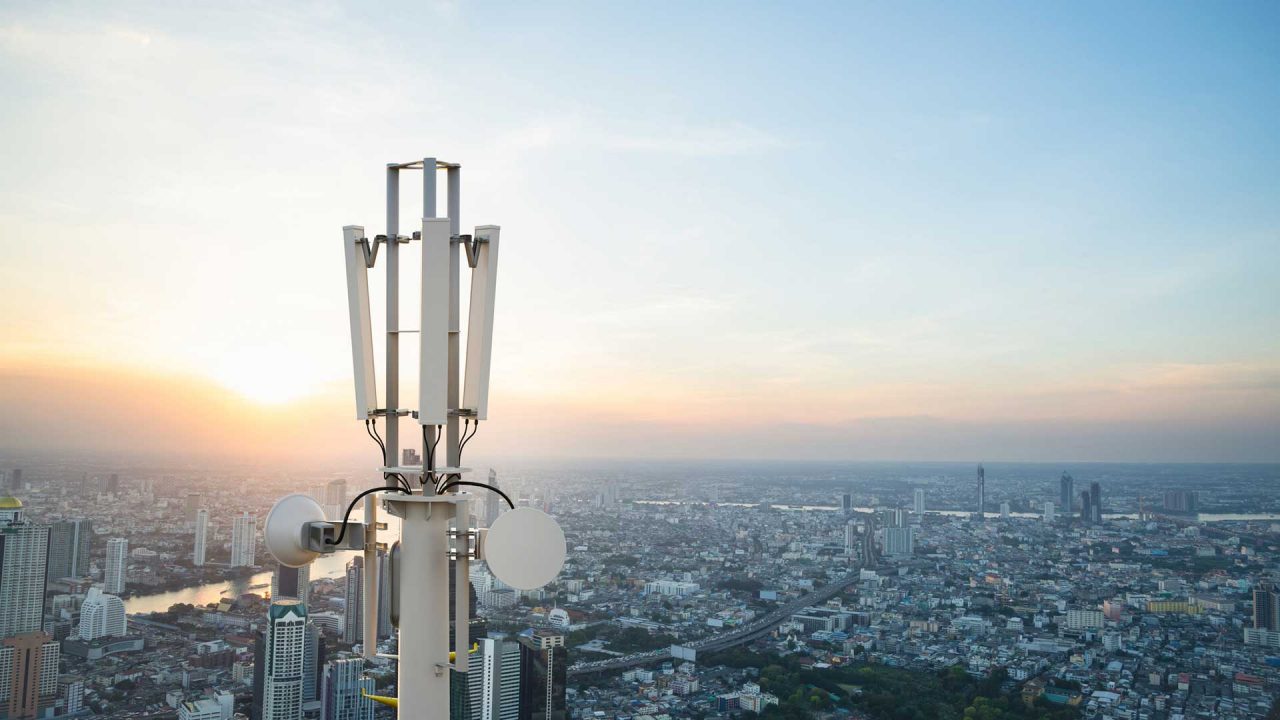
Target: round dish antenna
286	524
525	548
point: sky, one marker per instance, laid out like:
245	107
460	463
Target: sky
883	231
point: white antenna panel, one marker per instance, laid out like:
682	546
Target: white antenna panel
361	328
484	278
433	336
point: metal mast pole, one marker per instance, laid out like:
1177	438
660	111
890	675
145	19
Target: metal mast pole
369	605
462	512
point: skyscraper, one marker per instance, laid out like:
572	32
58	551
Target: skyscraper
1004	509
284	660
202	536
1086	507
335	494
543	661
1066	492
494	680
115	579
24	548
846	502
244	541
899	542
28	674
113	484
353	623
343	681
1181	501
102	615
287	582
492	503
917	498
982	493
850	537
313	659
1266	607
69	548
28	657
1048	512
1095	497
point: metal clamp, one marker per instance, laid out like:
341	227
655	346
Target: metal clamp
472	246
470	538
321	536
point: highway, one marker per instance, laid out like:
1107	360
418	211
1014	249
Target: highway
739	636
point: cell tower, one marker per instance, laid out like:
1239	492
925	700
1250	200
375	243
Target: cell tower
524	548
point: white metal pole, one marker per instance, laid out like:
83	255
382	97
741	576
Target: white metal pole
370	578
423	584
462	522
428	211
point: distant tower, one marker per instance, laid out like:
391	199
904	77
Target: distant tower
1066	492
287	582
850	537
982	492
917	505
1048	512
69	548
335	494
24	548
202	535
1004	509
353	623
244	539
1095	496
543	661
846	502
492	503
343	681
284	660
113	484
1086	507
1266	607
117	566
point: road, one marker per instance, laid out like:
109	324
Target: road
741	635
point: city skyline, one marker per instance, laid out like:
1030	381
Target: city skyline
977	240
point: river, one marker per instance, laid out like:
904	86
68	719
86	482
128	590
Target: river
1202	517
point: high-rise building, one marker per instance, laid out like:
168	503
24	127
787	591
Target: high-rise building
1048	512
493	503
1004	509
493	681
1266	607
543	661
1086	507
102	615
24	553
284	660
982	493
28	675
1066	492
116	579
1095	497
244	541
287	582
850	537
899	541
202	536
335	494
343	681
917	505
113	484
353	622
846	503
313	660
385	630
219	707
1182	502
69	548
190	504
